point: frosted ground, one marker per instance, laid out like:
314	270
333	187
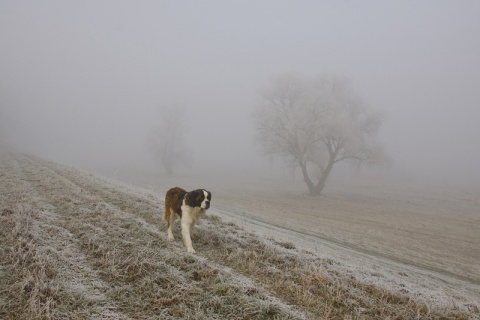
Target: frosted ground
419	240
78	245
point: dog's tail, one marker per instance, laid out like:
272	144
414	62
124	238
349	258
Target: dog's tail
166	213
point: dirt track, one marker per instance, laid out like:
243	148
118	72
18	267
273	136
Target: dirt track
434	231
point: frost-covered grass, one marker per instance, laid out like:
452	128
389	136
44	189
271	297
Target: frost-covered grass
309	282
74	245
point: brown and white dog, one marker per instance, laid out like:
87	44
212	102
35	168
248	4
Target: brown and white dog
188	207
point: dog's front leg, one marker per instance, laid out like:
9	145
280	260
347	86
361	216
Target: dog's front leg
187	240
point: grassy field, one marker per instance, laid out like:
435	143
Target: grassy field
74	245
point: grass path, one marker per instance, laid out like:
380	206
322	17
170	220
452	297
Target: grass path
101	259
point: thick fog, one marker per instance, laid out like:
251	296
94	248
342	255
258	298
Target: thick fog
83	82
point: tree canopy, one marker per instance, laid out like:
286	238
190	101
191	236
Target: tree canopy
314	123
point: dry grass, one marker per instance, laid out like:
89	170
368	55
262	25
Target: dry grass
28	291
75	246
308	284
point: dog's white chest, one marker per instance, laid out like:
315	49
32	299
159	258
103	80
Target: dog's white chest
191	214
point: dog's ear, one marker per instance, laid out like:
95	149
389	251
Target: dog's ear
209	195
193	198
200	196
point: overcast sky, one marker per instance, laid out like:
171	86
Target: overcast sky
81	82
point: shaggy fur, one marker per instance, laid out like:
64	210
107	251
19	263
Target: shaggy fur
188	207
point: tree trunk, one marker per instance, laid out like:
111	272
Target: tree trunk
306	178
316	189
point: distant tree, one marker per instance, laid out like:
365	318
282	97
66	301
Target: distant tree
315	123
167	138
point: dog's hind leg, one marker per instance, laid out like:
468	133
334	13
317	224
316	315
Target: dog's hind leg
169	217
170	221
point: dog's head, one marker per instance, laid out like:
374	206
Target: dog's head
199	198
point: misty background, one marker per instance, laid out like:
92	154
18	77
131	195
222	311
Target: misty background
83	82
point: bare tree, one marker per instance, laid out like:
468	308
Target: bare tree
167	139
316	123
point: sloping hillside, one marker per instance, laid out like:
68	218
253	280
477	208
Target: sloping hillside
75	245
